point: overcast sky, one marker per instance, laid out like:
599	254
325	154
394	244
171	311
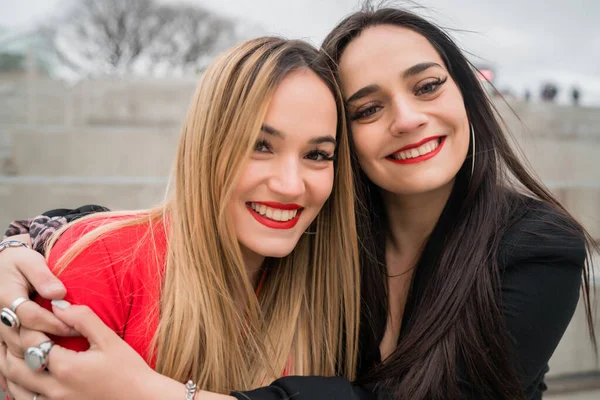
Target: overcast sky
526	41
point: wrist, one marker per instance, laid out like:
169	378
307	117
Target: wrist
160	387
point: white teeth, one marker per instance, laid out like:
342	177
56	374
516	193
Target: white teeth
275	214
425	148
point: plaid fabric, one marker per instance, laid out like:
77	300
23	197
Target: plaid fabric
43	226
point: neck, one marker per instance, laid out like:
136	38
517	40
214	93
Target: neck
411	219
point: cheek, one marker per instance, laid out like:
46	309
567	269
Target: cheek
251	176
321	185
461	139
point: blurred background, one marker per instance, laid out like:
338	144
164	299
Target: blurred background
93	93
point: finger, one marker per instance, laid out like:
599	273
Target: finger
18	373
3	384
34	316
32	266
20	393
84	321
59	361
62	363
11	339
31	338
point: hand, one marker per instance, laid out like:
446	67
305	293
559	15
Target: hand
23	271
26	336
19	267
110	369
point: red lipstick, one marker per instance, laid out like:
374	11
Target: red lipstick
269	223
422	158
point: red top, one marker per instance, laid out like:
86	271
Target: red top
118	277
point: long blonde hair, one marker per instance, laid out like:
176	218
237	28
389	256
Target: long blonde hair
309	304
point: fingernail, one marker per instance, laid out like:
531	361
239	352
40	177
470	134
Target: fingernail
62	304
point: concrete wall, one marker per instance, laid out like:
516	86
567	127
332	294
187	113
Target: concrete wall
574	355
38	100
93	152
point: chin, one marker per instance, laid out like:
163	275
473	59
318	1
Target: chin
274	248
276	253
416	188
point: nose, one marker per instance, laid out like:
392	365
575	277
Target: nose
287	179
407	116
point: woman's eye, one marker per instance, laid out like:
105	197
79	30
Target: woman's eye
430	87
319	156
365	112
262	146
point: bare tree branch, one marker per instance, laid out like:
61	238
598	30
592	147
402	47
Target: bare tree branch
120	37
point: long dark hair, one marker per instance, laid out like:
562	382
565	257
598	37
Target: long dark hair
455	313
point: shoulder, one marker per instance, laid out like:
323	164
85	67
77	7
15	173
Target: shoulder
541	258
538	232
114	274
118	242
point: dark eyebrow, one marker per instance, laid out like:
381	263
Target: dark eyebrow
412	71
418	68
367	90
269	130
323	139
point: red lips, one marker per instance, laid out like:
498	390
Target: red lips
412	146
422	158
272	223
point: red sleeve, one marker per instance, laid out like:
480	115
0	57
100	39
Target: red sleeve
91	279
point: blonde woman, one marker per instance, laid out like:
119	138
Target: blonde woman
222	284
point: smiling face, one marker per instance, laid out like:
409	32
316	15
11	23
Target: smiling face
408	120
289	175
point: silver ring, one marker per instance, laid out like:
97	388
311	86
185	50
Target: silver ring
37	357
9	318
35	396
17	303
13	243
